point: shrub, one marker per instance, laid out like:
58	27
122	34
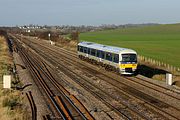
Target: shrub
10	102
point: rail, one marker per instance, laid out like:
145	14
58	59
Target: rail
39	73
32	104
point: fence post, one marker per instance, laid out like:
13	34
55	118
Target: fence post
157	63
168	79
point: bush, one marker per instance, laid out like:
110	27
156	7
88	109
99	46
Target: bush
10	102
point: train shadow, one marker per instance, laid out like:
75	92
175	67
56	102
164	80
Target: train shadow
149	71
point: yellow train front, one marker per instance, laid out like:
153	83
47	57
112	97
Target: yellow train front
128	62
122	60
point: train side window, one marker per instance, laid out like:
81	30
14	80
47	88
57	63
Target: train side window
89	50
85	50
98	53
93	52
116	58
102	54
78	48
81	48
109	56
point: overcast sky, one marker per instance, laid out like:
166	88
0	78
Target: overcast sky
88	12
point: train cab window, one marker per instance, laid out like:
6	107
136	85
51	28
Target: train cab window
129	58
85	50
93	52
109	56
116	58
98	53
81	48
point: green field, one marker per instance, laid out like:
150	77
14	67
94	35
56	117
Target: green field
160	42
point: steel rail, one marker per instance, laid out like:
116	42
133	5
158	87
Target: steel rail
62	90
32	105
45	86
34	71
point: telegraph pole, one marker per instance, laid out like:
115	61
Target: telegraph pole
49	35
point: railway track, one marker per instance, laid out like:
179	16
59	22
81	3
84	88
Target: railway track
125	78
32	105
61	105
121	111
135	79
143	114
171	92
71	53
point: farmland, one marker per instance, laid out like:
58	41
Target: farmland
160	42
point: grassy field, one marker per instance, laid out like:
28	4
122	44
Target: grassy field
160	42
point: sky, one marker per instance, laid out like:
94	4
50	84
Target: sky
88	12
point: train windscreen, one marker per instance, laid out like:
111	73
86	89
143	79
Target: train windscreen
129	58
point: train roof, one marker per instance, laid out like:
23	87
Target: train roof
105	47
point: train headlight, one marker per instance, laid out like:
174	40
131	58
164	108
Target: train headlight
122	66
134	66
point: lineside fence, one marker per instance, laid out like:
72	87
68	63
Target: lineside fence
159	64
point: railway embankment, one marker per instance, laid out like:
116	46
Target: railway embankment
29	85
26	86
11	100
156	70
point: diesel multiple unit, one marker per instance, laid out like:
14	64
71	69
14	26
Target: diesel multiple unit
122	60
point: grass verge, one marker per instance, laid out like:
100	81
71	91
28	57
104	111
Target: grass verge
11	101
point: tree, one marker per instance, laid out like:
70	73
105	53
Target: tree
75	36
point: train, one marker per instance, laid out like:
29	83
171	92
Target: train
121	60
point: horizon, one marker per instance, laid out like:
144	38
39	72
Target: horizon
93	25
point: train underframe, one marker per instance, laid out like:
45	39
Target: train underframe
106	66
